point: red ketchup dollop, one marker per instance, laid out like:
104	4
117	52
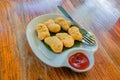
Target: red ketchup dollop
79	61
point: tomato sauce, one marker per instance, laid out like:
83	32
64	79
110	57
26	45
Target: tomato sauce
79	61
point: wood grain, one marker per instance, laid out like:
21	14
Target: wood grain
18	62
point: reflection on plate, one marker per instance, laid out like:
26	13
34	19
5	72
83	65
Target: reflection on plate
48	56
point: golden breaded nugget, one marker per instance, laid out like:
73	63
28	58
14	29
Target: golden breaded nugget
63	23
50	21
75	33
42	31
54	27
69	23
59	19
55	43
67	40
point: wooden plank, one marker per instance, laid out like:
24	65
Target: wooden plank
18	62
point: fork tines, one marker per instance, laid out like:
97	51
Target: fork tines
88	39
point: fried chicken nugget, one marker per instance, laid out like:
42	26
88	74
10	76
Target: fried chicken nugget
52	26
55	43
69	23
67	40
75	33
50	21
63	23
42	31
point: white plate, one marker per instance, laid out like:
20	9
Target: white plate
49	57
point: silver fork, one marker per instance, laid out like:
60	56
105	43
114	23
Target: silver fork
88	38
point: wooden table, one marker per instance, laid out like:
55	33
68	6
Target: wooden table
18	62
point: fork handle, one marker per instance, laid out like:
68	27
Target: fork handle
83	31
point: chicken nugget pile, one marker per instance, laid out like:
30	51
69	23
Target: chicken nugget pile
61	39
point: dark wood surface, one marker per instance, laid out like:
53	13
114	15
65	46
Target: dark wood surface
18	62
